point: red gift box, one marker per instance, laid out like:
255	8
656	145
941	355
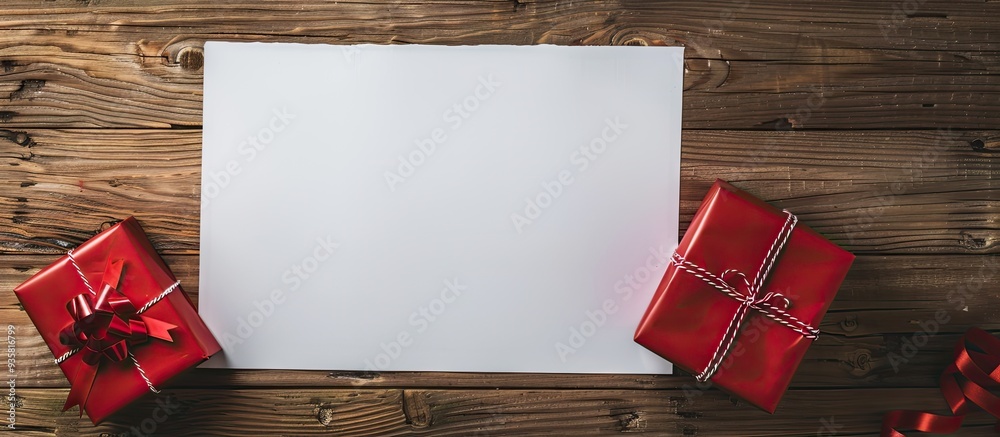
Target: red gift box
116	320
743	296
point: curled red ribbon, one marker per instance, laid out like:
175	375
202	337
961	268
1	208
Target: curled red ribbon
105	325
966	381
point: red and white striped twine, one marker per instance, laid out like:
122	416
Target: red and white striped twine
143	309
750	300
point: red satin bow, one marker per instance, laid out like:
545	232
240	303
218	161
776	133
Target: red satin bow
976	370
105	326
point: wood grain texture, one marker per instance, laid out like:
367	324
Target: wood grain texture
874	121
878	192
386	412
880	308
750	65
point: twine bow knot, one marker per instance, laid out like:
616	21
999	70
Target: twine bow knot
749	298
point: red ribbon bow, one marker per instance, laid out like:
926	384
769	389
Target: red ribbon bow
105	326
976	370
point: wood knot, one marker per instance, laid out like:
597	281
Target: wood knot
415	409
986	145
15	401
850	323
325	416
105	225
635	42
21	139
861	362
630	421
28	89
971	242
17	137
191	58
631	37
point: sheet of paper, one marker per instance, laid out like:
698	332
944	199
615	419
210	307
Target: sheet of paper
430	208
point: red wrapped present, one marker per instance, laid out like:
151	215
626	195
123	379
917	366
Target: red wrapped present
116	320
743	296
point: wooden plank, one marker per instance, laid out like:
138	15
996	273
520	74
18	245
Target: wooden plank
387	412
832	361
883	330
869	192
878	192
758	65
875	24
79	180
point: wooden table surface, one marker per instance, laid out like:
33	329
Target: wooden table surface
875	121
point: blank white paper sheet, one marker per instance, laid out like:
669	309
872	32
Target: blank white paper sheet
432	208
